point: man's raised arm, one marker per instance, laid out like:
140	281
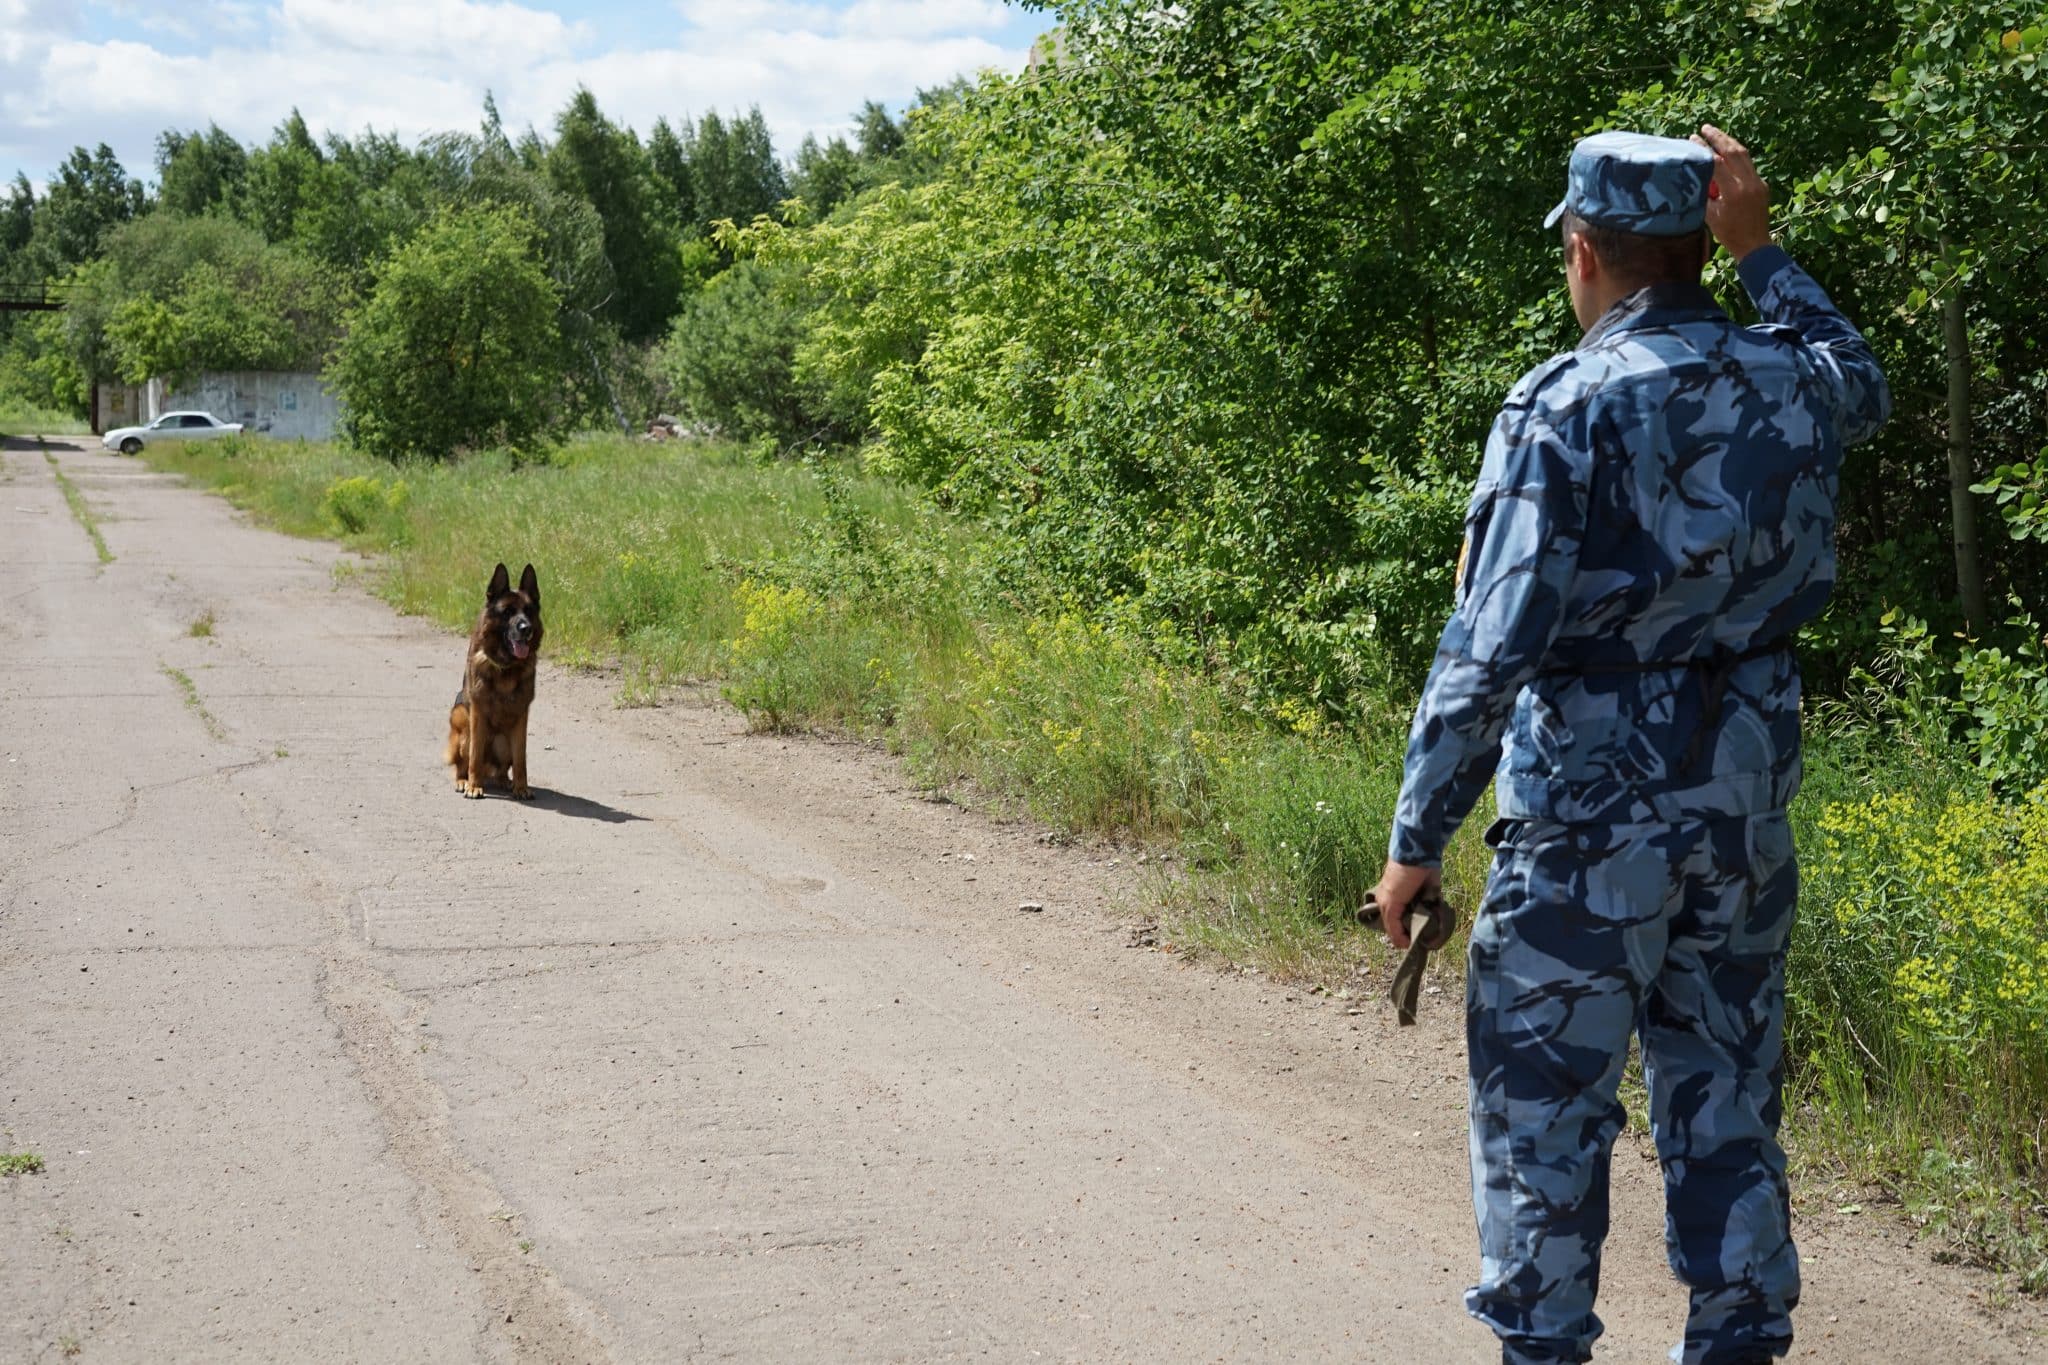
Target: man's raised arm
1738	214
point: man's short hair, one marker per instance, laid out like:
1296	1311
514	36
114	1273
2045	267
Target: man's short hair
1639	260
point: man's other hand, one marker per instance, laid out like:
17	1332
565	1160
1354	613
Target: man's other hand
1399	886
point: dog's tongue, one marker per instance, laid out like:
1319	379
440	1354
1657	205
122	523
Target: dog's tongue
520	649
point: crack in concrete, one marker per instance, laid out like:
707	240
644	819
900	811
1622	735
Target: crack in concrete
612	957
132	802
530	1316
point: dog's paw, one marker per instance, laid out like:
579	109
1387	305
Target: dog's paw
472	790
522	792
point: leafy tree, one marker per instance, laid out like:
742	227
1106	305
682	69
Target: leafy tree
197	172
824	176
669	160
283	180
173	295
457	346
1955	193
1212	308
37	367
605	165
733	172
261	309
89	196
880	136
17	222
732	354
365	196
489	170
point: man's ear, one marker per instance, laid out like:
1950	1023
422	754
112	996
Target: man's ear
1581	259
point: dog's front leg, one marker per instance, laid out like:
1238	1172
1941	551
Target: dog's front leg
479	755
517	775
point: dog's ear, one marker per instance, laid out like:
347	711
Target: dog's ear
530	585
501	583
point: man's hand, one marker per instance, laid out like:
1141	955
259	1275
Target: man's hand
1738	200
1399	885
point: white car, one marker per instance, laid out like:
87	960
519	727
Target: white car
172	426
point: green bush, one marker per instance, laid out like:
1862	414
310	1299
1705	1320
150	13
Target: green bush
2005	704
795	661
353	505
457	346
1919	976
731	355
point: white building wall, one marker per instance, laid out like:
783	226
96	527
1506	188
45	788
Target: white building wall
278	403
121	405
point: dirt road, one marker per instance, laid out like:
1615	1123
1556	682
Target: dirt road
721	1049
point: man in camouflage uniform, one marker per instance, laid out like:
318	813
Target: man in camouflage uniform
1654	518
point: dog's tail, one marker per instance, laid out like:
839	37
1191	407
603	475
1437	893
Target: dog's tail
458	726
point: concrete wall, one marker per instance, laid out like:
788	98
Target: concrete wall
120	405
274	402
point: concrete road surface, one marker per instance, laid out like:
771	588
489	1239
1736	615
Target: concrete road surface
725	1048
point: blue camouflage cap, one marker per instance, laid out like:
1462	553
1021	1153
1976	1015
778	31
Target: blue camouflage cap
1652	186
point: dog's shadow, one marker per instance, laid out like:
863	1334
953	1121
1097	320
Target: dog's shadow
561	803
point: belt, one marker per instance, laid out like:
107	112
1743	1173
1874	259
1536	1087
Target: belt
1434	934
1716	669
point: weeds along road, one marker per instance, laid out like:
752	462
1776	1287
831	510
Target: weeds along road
720	1049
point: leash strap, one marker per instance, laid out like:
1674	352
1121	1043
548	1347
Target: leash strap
1438	923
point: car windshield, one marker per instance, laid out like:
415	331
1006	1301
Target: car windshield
163	422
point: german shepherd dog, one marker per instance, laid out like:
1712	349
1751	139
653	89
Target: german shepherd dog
487	725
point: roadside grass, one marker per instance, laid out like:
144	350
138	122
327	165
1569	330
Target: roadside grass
201	626
25	419
1917	1051
1917	990
80	511
20	1163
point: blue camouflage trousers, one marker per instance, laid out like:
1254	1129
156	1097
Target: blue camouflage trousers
1589	933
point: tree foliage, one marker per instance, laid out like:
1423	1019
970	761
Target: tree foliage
199	172
89	196
1209	312
731	358
456	347
721	168
605	166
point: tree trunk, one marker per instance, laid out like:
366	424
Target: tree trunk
1962	502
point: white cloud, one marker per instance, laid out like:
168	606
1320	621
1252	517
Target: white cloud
478	36
27	29
413	67
747	16
197	21
921	18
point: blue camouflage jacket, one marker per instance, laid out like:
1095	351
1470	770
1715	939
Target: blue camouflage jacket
1654	518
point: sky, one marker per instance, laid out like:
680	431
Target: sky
81	72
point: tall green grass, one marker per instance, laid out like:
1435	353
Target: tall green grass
25	419
1917	985
820	599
